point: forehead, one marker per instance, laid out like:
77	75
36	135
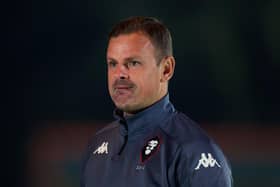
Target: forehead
130	44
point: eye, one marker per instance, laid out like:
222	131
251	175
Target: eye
133	63
112	64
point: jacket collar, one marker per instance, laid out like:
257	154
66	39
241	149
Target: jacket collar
145	120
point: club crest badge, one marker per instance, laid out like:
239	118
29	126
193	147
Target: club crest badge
150	148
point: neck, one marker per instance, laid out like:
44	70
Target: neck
129	114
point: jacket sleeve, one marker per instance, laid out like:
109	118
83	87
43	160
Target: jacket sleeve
203	165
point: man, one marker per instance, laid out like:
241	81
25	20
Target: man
150	143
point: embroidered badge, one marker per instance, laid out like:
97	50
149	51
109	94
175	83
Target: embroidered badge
151	147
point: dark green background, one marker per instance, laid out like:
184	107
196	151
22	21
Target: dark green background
227	56
227	64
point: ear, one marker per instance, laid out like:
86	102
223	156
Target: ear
168	66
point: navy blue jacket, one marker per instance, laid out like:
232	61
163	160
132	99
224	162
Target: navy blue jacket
157	147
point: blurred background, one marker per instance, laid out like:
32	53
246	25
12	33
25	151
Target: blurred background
226	78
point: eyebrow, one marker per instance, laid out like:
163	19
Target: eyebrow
132	58
126	59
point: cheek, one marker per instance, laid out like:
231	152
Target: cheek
150	82
110	81
109	76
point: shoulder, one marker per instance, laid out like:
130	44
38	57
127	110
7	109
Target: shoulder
198	154
192	141
108	128
181	129
106	132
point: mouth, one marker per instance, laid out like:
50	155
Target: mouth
122	87
123	90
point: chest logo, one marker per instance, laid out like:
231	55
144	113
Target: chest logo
150	148
102	149
207	162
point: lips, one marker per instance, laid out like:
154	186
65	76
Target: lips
123	87
122	90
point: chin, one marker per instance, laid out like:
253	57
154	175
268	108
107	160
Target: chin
124	108
127	108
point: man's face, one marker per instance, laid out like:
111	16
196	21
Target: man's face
134	78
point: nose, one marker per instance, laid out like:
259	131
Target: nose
122	72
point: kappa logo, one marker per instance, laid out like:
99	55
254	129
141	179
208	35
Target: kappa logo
102	149
207	162
150	148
